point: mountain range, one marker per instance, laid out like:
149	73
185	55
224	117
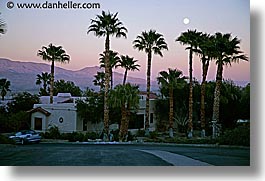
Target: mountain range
22	76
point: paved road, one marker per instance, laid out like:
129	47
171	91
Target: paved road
121	155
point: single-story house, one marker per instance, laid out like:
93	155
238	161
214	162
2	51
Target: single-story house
63	114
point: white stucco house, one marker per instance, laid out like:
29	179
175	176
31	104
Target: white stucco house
63	114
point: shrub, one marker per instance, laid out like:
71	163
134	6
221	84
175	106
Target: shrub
140	133
91	135
115	135
5	140
239	136
75	136
65	136
131	137
153	134
52	133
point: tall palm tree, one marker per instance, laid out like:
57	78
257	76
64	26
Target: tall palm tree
149	42
128	63
99	80
4	87
106	25
190	39
205	51
44	79
2	26
114	58
227	51
53	54
125	97
169	81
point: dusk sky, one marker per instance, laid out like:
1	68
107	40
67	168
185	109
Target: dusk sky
30	29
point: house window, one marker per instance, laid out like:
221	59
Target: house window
152	118
38	124
60	120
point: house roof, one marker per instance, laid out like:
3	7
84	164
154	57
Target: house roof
39	109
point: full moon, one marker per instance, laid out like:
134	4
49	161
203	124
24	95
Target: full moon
186	21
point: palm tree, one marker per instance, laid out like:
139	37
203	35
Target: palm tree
2	27
169	81
44	79
227	51
190	38
128	63
205	51
4	87
125	97
106	25
99	80
114	58
149	42
53	54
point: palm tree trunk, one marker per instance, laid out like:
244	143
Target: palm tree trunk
217	94
190	125
107	80
125	75
126	126
52	82
205	66
111	78
45	86
122	132
171	109
148	93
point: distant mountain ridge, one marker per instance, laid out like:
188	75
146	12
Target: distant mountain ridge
22	76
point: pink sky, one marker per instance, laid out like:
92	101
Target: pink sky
29	30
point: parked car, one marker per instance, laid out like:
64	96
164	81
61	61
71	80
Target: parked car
26	136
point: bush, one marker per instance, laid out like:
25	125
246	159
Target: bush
91	135
131	137
239	136
52	133
66	136
5	140
153	134
140	133
75	136
115	135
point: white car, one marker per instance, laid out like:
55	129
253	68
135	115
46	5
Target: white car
26	136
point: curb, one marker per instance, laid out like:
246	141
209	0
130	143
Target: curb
146	143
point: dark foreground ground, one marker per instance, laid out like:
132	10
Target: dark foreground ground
47	154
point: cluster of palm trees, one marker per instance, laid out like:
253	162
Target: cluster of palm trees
106	25
124	61
223	48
